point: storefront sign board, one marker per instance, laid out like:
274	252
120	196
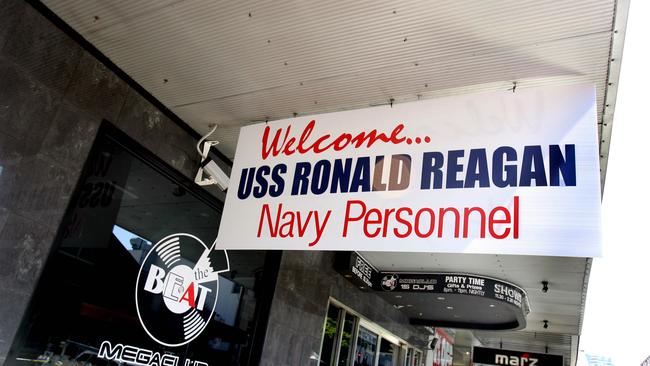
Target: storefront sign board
502	173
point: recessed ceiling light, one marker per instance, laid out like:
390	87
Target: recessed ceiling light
450	308
420	314
398	296
467	352
492	305
347	276
409	305
440	298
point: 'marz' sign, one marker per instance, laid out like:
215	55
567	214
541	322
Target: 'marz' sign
487	173
491	356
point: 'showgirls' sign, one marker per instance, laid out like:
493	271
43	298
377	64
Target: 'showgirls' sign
506	173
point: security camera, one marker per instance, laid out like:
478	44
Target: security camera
215	175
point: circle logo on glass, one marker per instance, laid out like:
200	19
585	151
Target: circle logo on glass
177	288
389	282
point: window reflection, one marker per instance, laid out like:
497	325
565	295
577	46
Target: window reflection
137	246
388	353
366	348
346	339
87	292
328	350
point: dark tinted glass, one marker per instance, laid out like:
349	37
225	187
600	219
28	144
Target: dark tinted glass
87	294
366	348
346	340
388	353
417	358
328	350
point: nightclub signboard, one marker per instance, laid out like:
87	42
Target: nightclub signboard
356	269
502	173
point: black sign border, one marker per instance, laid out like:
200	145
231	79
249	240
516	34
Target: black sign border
345	263
486	356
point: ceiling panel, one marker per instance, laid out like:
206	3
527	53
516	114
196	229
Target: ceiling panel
237	62
243	46
562	305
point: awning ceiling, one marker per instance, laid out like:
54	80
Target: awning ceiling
562	305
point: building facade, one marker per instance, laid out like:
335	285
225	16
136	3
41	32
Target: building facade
97	187
62	108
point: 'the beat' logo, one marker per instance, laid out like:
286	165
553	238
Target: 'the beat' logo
177	288
389	282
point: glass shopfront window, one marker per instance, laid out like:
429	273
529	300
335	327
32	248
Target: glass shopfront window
338	333
366	348
409	357
328	350
417	358
345	350
110	295
350	340
388	353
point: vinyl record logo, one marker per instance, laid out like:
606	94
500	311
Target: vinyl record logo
177	288
389	282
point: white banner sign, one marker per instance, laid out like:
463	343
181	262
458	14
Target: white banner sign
502	173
